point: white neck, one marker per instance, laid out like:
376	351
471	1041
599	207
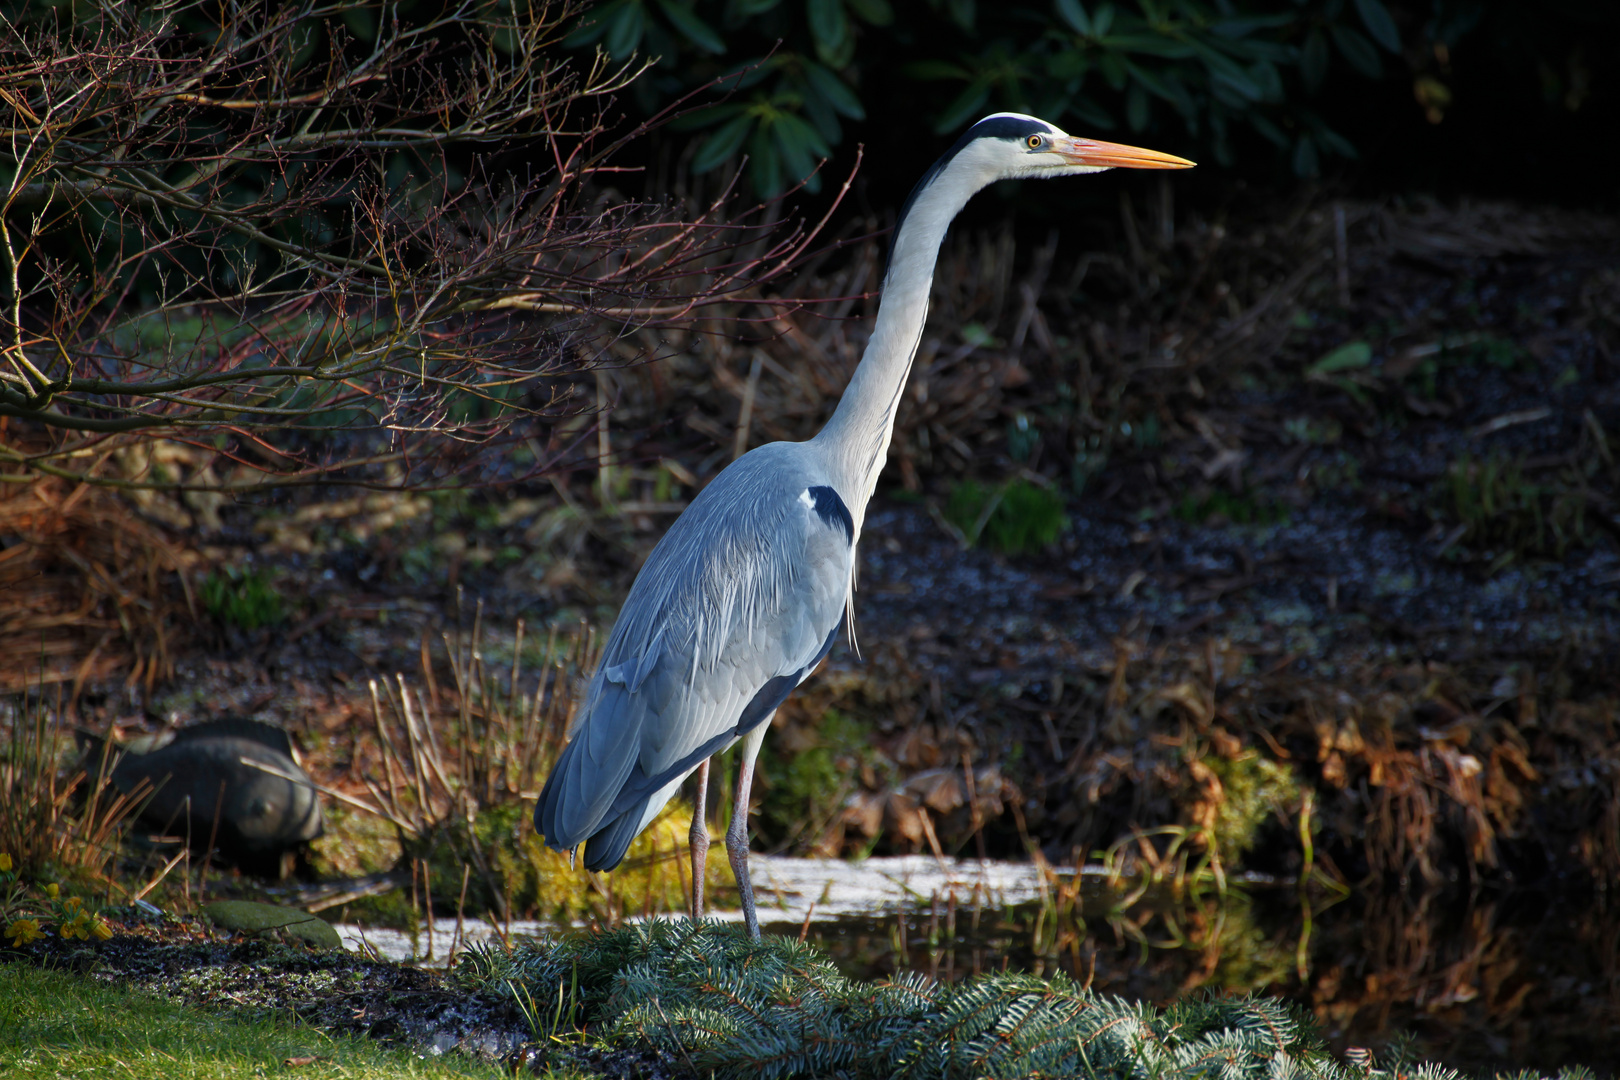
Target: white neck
856	439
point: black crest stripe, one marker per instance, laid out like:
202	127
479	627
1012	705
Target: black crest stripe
832	510
995	127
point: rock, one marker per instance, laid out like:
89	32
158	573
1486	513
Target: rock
268	920
232	781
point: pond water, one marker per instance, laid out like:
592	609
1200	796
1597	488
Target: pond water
1483	982
791	892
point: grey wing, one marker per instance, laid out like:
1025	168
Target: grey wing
732	611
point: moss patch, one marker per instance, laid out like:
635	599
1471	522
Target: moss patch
354	844
1252	787
807	774
538	882
272	921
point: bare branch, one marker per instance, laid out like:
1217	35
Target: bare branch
244	225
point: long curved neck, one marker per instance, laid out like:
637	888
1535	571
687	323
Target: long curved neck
856	439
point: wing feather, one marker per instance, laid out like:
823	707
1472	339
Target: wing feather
745	589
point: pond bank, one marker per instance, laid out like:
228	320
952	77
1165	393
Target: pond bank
1496	980
667	999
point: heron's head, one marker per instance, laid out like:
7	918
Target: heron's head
1011	146
1003	146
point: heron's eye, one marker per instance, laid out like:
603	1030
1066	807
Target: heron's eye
1034	142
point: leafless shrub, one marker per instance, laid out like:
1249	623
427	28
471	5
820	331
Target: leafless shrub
251	229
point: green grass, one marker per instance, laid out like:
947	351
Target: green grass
57	1024
1017	517
242	598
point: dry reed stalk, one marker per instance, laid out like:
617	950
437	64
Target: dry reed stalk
46	820
88	590
434	785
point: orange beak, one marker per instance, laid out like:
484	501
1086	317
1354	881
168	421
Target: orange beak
1107	155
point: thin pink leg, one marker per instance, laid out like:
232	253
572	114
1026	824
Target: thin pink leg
699	840
737	835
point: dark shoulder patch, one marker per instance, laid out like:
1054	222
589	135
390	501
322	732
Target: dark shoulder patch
831	509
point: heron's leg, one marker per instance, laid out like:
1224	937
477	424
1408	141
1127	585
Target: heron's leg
737	835
699	839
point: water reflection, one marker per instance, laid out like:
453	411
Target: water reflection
1525	980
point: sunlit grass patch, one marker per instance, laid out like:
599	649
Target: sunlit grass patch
55	1024
654	877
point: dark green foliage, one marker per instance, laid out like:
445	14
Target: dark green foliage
242	598
731	1007
796	71
805	786
1018	517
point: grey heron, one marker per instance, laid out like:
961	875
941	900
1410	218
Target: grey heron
743	597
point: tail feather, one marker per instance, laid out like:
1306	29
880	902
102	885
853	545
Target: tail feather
607	846
592	770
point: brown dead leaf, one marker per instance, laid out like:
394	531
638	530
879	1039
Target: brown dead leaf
864	812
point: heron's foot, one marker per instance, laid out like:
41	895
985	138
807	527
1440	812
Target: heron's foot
737	849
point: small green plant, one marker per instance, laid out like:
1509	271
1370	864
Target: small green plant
421	562
807	788
1340	471
1226	507
1497	352
1089	461
1022	439
244	599
1504	514
29	914
709	996
1017	517
1313	431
